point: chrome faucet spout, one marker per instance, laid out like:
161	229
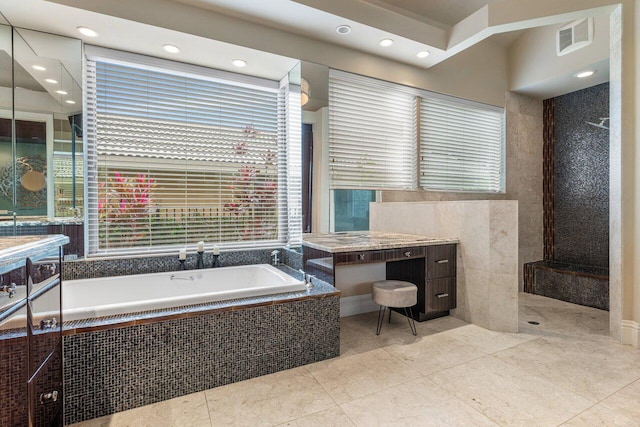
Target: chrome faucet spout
275	257
10	289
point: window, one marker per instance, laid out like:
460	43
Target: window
372	134
461	145
179	153
376	127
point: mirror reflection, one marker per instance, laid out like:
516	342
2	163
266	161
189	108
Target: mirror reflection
41	165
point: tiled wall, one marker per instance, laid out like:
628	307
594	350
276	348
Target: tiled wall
84	269
581	214
118	369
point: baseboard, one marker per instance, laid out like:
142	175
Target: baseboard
630	333
358	304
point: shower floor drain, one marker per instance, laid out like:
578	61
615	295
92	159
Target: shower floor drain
533	322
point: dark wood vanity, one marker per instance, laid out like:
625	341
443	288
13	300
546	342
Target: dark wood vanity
430	264
31	384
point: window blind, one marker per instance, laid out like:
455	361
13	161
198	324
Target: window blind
372	134
177	154
461	145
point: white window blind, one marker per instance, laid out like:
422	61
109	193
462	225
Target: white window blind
177	154
461	145
372	134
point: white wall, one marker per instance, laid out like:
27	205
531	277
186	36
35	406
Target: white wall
533	61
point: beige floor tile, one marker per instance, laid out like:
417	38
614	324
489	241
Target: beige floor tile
267	400
486	340
626	401
396	332
332	417
508	395
446	323
416	403
185	411
592	369
601	416
435	353
558	318
362	374
540	301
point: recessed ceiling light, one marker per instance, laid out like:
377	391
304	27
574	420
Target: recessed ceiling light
343	29
87	31
239	63
386	42
38	67
586	73
61	92
70	101
52	81
171	48
423	54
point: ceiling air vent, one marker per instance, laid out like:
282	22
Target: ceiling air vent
574	36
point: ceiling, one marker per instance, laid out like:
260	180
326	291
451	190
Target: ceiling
116	33
414	25
445	12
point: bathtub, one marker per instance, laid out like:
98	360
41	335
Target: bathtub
108	296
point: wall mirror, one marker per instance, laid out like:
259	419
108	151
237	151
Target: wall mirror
41	141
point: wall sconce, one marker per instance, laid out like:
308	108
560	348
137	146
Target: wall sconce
305	92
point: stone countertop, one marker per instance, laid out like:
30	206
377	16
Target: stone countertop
369	241
23	222
14	250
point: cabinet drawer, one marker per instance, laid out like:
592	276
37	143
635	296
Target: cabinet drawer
385	255
441	261
361	257
440	294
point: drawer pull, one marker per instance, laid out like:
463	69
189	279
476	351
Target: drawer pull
407	253
49	397
442	261
49	323
361	257
442	295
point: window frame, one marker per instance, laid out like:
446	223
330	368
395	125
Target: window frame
288	151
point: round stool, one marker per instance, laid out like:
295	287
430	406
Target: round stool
396	294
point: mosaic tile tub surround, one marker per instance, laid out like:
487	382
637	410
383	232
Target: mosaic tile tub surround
116	369
121	362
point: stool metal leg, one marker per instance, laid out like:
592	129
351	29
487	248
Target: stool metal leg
390	315
380	319
412	323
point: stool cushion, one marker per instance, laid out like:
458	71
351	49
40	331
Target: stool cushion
394	293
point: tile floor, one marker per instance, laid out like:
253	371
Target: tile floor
565	371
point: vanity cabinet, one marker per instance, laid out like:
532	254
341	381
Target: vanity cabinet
440	293
430	266
31	383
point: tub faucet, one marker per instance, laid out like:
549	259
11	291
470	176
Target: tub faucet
275	258
10	289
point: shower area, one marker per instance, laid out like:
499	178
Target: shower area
575	267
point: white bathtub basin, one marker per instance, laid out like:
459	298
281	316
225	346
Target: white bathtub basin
91	298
